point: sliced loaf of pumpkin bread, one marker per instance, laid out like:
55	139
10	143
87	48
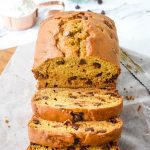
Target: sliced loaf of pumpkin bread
61	135
89	104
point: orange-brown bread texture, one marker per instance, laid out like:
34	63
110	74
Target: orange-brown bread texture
77	49
85	133
88	104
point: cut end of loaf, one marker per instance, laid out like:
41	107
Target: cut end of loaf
76	72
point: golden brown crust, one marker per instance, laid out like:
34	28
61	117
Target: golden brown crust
102	39
62	140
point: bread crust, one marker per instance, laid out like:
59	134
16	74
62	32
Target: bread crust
102	41
62	140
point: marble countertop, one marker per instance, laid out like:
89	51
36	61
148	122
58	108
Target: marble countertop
132	20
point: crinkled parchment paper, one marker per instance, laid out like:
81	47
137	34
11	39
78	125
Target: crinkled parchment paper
17	86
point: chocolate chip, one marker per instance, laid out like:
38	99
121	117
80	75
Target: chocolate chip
84	147
71	148
108	24
55	99
89	129
77	116
84	70
77	7
103	12
112	120
97	65
101	131
112	143
99	1
83	79
99	74
61	62
90	93
55	85
67	122
76	141
46	85
45	97
54	91
72	78
82	62
89	10
36	121
89	82
46	103
75	126
72	96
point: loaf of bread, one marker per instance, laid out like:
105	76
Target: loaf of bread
77	49
108	146
61	135
88	104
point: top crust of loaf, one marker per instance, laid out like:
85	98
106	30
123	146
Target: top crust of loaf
101	38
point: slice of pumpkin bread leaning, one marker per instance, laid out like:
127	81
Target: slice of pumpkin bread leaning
77	49
61	135
108	146
84	104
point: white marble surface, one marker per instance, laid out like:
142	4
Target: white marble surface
132	19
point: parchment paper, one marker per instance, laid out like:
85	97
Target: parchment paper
17	86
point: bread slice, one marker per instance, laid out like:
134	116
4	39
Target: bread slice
89	104
60	135
108	146
77	49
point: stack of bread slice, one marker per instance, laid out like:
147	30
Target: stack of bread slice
76	105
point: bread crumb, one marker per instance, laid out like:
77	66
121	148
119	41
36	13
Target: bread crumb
130	97
139	108
6	120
